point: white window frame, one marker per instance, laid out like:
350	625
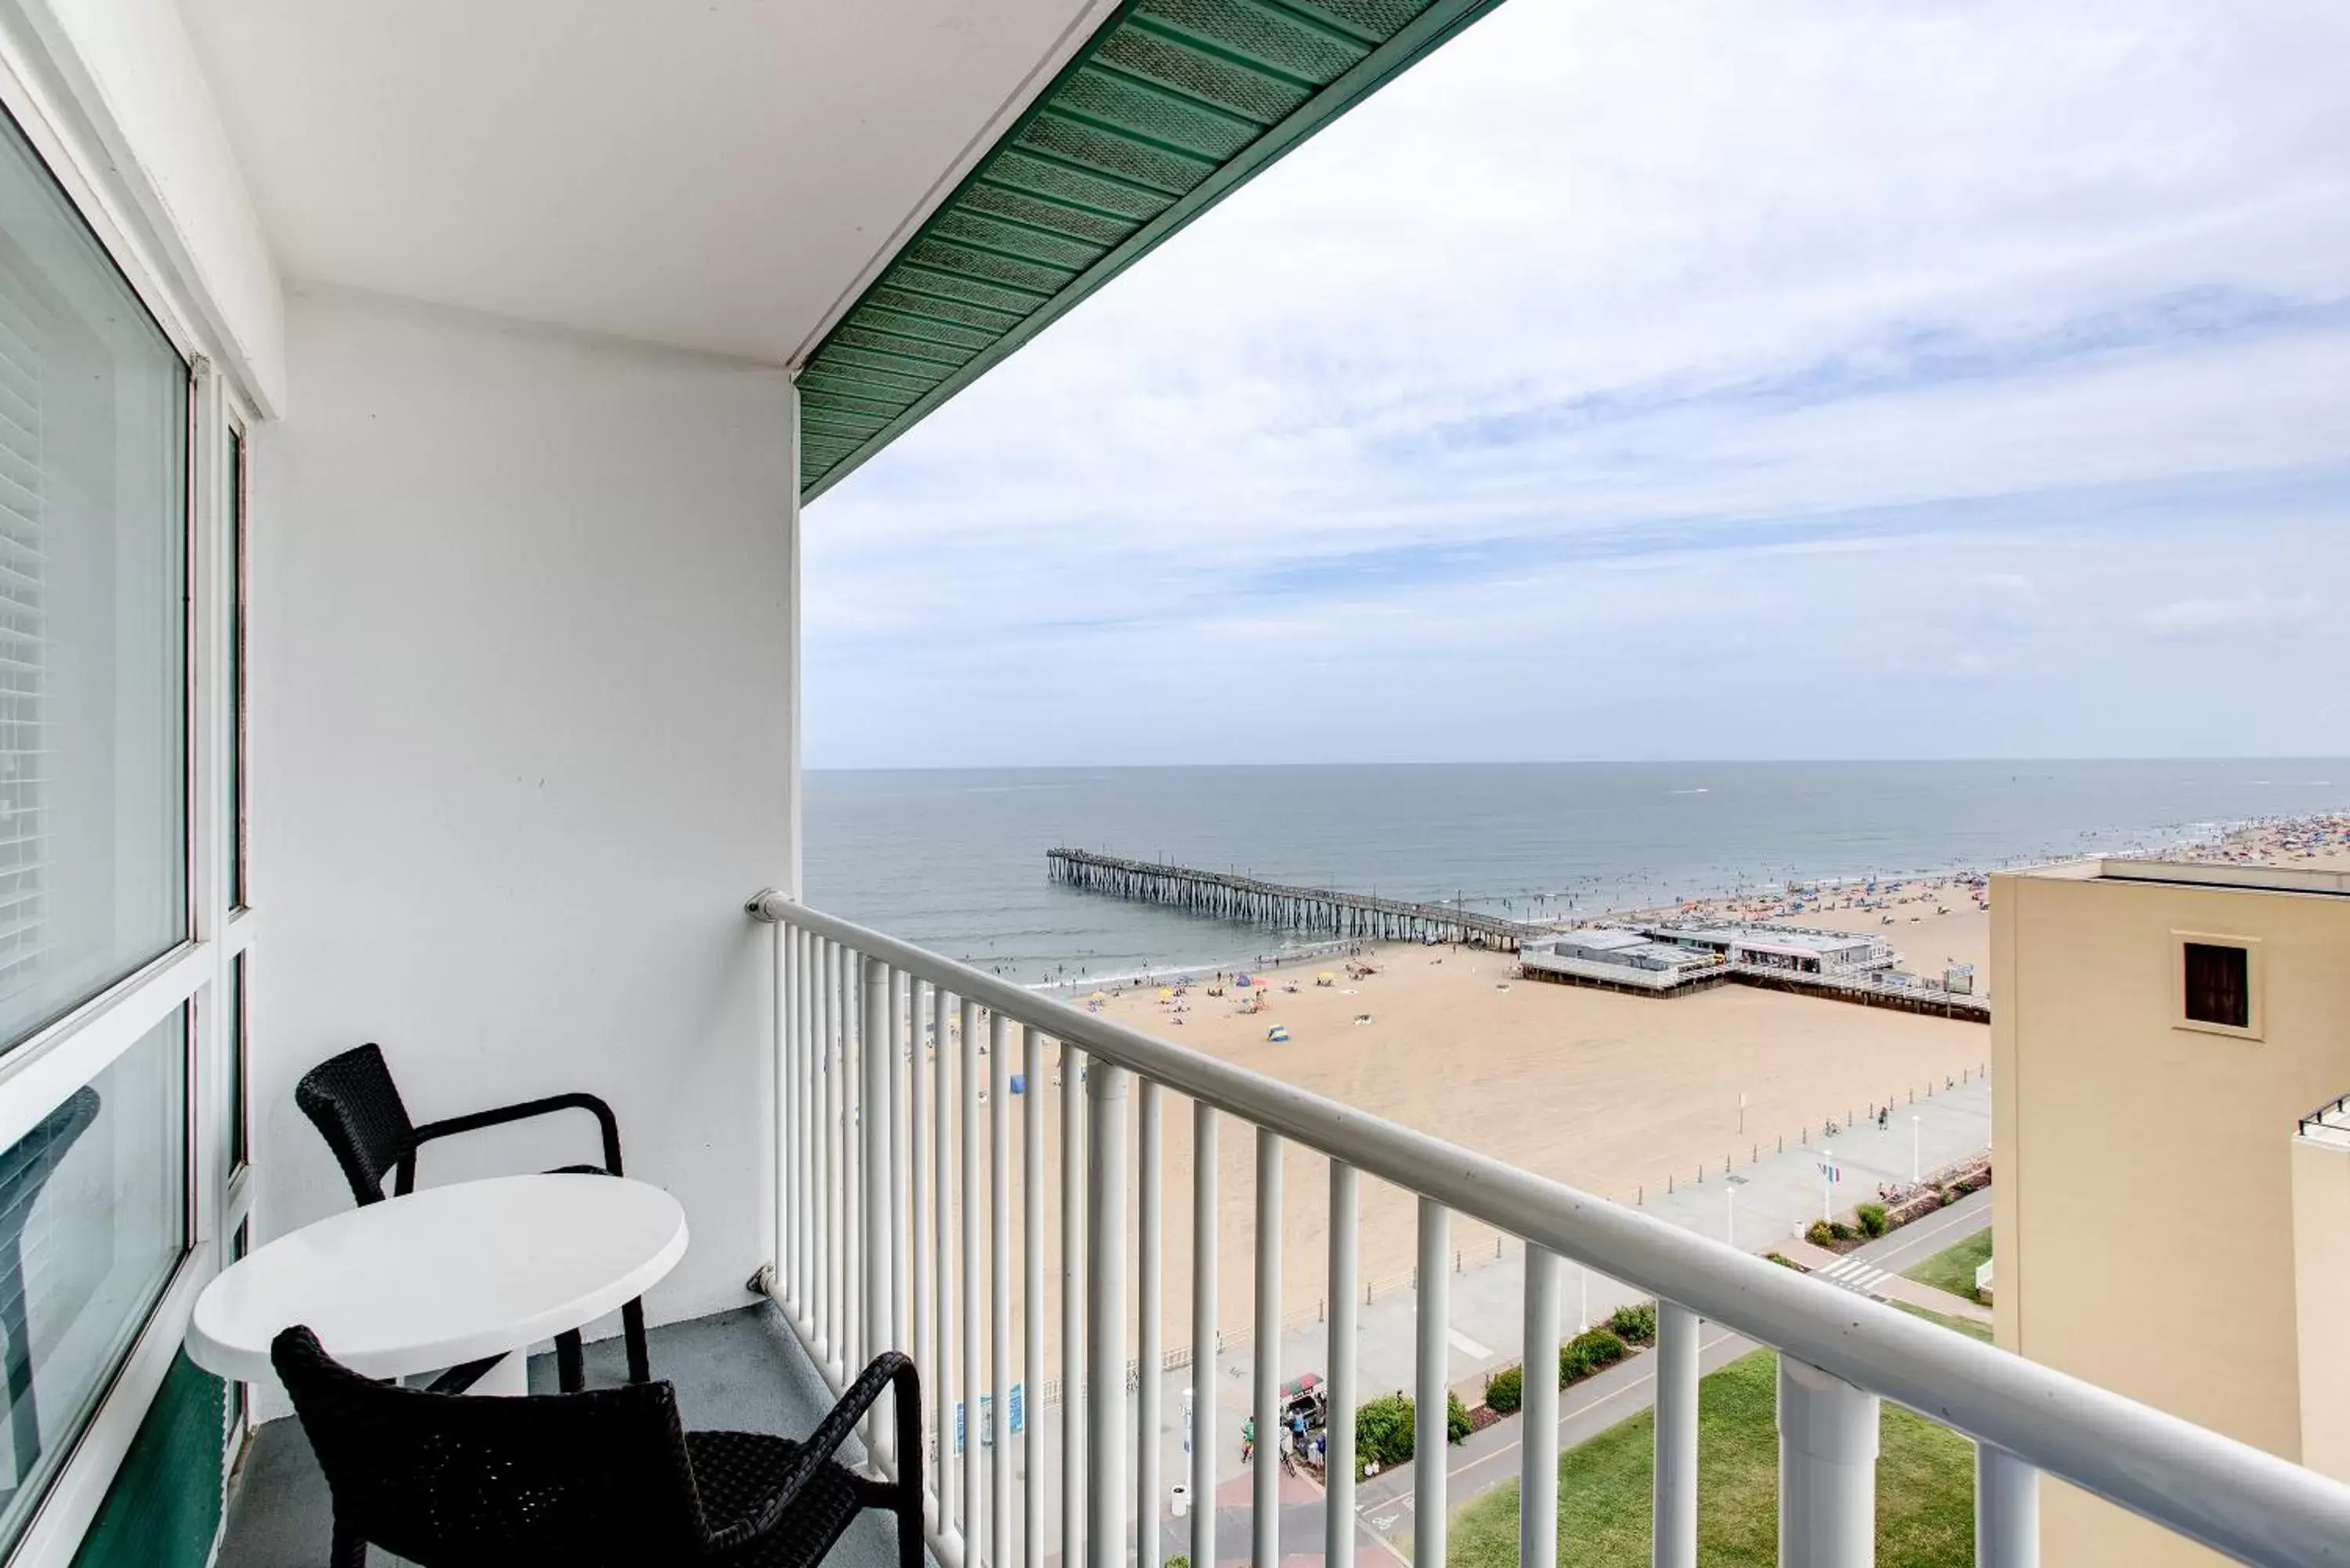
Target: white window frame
65	1055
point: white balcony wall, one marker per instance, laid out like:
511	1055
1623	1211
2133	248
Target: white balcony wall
122	77
521	744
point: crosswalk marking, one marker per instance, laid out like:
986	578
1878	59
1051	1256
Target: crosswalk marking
1855	1275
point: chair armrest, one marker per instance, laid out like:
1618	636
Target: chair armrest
605	1121
886	1369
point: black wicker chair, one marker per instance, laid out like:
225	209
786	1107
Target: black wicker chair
355	1104
602	1478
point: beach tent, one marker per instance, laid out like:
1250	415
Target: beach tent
1241	980
1019	1082
1278	1035
1166	993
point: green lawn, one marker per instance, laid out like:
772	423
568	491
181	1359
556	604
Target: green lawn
1965	1325
1925	1488
1954	1269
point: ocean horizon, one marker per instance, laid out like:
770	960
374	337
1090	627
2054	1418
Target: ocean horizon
954	859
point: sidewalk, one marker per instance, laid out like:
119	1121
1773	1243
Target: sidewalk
1776	1195
1493	1457
1875	1269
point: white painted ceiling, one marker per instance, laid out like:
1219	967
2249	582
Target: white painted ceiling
715	175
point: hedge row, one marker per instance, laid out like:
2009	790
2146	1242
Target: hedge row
1505	1391
1586	1354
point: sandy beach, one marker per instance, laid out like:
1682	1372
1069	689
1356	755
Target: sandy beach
1615	1094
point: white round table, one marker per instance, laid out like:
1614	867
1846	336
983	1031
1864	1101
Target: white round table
443	1276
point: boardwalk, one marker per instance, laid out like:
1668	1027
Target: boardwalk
1323	911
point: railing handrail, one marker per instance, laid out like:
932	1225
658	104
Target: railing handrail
2228	1495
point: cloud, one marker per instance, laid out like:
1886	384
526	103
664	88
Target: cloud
2215	617
1688	348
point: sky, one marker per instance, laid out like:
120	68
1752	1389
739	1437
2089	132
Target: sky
1721	379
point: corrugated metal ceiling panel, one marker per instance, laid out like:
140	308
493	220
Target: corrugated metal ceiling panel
1170	106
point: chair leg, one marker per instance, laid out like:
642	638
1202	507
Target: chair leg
349	1550
570	1362
633	1328
910	1471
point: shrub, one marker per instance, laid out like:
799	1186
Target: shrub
1181	1560
1383	1431
1635	1324
1872	1218
1820	1234
1841	1231
1784	1261
1586	1354
1505	1390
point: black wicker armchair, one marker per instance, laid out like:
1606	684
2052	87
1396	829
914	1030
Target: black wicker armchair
356	1106
602	1478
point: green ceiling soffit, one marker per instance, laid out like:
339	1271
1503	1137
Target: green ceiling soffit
1169	108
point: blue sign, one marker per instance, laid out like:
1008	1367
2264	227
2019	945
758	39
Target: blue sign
958	1426
1019	1408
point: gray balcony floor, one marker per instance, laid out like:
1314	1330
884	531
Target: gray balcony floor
739	1371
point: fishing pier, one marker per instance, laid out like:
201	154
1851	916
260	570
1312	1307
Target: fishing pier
1322	910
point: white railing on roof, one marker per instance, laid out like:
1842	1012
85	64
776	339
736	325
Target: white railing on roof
875	1036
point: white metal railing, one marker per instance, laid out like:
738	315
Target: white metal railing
873	1033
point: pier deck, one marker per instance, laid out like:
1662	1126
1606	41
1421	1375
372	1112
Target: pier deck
1323	911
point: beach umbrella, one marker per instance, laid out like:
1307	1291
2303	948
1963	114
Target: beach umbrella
1240	980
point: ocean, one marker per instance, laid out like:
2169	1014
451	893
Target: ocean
954	859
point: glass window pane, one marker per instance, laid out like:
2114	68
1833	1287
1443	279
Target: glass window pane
93	453
93	1218
237	897
238	1114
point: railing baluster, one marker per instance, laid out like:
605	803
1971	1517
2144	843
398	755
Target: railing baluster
969	1197
1429	1444
852	1168
1827	1470
2007	1509
919	1177
1538	1415
1031	1264
1149	1376
943	1244
999	1295
1105	1428
1073	1339
1204	1435
810	1080
1346	1302
1673	1501
880	1332
1265	1513
902	1134
828	1327
787	992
